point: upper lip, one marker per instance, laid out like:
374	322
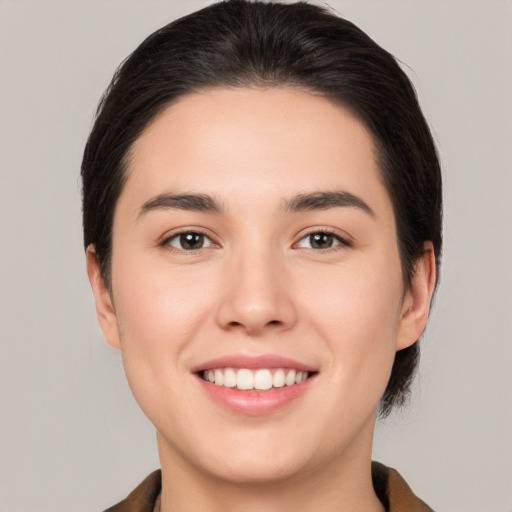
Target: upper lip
253	362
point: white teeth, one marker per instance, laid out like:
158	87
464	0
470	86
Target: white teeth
278	378
244	379
219	377
290	378
230	378
261	379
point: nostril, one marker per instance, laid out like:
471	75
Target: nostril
237	325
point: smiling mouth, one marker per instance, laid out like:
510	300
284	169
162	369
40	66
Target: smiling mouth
261	379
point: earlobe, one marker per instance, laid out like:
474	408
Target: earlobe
103	299
416	304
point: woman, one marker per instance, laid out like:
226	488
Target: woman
262	219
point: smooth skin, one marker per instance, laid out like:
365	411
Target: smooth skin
255	283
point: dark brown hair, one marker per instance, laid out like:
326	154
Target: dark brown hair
239	43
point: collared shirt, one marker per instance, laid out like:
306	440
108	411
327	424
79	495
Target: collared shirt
390	487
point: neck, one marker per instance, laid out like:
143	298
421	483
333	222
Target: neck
343	484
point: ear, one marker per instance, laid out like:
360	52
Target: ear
416	303
103	299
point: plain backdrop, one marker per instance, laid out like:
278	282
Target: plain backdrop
71	436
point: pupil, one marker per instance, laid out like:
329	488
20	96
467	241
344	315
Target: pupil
321	240
190	241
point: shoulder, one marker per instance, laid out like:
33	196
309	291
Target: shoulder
143	497
394	492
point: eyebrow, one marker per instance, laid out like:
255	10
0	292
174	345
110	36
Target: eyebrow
303	202
193	202
326	200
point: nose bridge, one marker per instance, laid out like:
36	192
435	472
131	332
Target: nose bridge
255	296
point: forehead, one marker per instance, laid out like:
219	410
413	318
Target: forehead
238	143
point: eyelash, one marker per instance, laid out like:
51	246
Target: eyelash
341	241
166	243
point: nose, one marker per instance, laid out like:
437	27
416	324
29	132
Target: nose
256	296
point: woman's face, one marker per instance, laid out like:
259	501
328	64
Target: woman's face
254	241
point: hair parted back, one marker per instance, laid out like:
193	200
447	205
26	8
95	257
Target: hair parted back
240	43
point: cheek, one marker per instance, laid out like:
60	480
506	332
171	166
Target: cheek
159	313
358	312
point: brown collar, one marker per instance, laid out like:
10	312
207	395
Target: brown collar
390	487
393	491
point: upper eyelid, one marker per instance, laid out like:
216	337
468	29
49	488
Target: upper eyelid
342	242
343	236
183	231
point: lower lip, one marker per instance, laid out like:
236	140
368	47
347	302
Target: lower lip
254	403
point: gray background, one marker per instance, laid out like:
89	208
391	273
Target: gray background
71	436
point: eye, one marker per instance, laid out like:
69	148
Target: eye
321	240
189	241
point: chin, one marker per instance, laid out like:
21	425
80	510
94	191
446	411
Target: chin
252	468
250	456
